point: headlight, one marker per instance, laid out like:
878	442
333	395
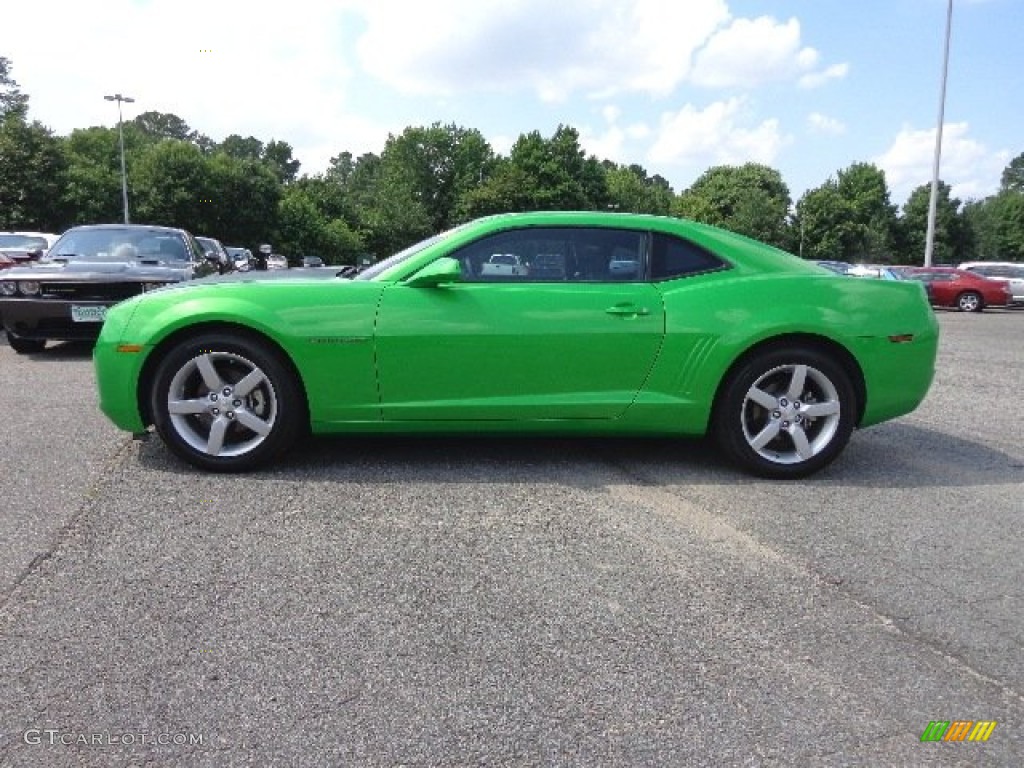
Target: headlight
8	288
29	287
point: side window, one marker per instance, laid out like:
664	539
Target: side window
673	257
554	254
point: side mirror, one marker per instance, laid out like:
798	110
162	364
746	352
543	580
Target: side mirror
438	272
211	256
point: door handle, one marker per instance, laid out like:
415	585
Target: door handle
628	309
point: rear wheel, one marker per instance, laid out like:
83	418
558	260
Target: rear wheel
25	346
969	301
785	413
226	403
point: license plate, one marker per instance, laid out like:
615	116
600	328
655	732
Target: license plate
80	314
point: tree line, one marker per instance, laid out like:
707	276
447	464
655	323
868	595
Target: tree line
245	191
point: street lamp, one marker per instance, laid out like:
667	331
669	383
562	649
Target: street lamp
933	200
120	132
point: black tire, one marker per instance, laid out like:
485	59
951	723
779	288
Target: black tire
970	301
785	412
25	346
225	430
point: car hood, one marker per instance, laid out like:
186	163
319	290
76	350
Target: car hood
101	270
297	275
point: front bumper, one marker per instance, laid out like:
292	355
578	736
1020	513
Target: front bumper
32	318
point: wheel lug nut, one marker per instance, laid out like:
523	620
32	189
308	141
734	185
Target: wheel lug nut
227	391
215	411
776	414
213	397
237	403
230	414
783	402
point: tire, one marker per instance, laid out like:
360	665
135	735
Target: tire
785	413
215	427
25	346
969	301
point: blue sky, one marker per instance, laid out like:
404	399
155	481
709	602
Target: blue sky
806	86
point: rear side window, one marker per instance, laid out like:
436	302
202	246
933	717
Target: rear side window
673	257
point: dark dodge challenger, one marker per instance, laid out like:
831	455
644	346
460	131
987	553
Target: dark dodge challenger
65	296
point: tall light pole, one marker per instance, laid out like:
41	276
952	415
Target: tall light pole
120	132
933	200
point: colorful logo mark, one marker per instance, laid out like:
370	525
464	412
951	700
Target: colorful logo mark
958	730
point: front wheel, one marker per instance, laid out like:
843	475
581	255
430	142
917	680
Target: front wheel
25	346
785	413
969	301
226	403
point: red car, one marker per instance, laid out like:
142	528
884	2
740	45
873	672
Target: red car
967	291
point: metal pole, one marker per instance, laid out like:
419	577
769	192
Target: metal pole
120	132
933	201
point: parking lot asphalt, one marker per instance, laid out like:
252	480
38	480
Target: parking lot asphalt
514	602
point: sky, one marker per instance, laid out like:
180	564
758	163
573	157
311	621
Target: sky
808	87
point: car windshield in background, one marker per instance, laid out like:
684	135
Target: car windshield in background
104	245
25	242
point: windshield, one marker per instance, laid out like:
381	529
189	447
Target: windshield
382	266
117	244
209	244
23	242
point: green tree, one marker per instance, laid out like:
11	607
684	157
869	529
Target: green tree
249	148
751	199
173	187
157	126
277	155
240	204
33	171
541	174
93	190
12	100
997	223
631	190
304	231
952	240
437	166
1013	175
848	218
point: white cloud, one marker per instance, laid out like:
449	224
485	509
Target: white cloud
967	165
750	52
818	79
720	134
830	126
598	47
244	68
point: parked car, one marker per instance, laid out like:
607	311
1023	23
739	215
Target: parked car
1011	272
959	288
213	247
876	271
66	295
277	261
839	267
242	257
23	247
312	261
233	372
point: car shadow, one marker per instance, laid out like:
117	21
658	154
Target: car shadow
893	456
61	351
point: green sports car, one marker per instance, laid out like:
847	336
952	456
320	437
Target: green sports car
544	323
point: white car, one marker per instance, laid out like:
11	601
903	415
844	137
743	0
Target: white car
1011	272
504	265
276	261
17	248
